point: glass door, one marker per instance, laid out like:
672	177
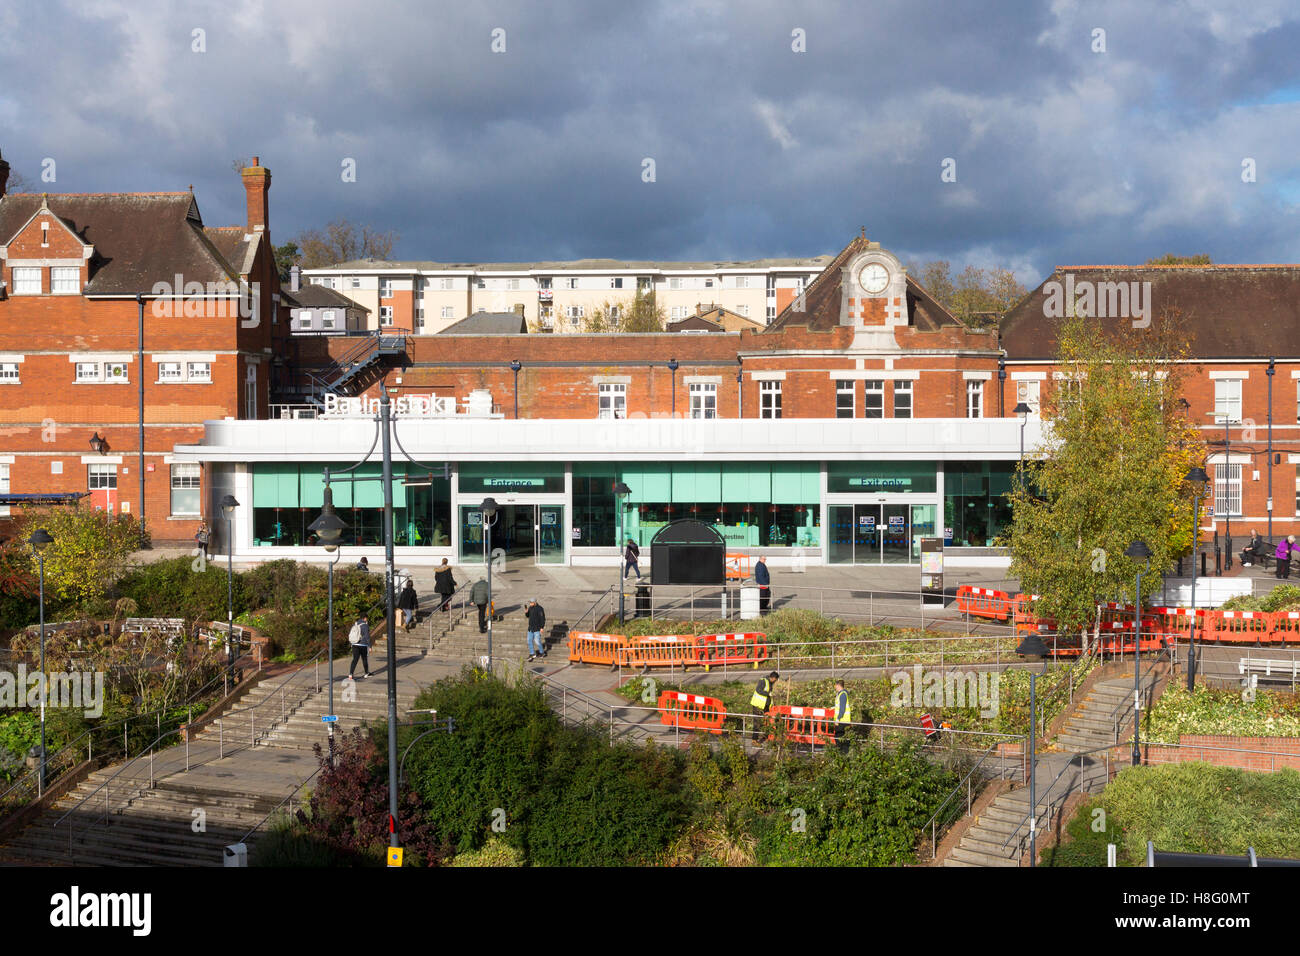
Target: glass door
840	539
471	535
550	534
922	527
866	531
895	534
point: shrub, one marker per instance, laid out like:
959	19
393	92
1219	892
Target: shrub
88	554
288	845
19	587
496	852
173	588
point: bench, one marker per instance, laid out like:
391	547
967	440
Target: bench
141	625
1264	559
1270	668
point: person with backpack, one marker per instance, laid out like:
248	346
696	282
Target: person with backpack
478	594
631	554
408	602
536	621
359	638
201	539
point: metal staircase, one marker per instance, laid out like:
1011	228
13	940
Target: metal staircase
367	354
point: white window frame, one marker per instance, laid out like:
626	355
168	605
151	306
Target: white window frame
1227	400
512	284
250	391
176	370
11	373
4	487
385	288
611	400
65	280
704	400
448	312
185	476
903	387
974	399
356	282
385	315
1227	488
675	282
27	280
769	399
873	388
117	373
616	283
846	386
743	310
327	319
1030	392
88	372
679	312
446	283
570	283
198	371
742	282
101	477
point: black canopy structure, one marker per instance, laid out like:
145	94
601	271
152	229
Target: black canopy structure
53	498
687	551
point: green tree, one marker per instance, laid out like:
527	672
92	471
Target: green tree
644	314
287	256
342	241
978	297
89	553
1110	470
1172	260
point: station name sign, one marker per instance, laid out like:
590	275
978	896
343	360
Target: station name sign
430	406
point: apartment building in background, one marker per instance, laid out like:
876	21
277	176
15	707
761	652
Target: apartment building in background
426	297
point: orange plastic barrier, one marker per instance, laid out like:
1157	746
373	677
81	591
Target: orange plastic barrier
1238	627
808	725
589	648
1285	627
691	710
737	566
1024	618
676	650
1175	622
713	649
984	602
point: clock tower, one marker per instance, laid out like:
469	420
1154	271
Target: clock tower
873	291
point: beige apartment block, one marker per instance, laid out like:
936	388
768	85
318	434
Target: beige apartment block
427	297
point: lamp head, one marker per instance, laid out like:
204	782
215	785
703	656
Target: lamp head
329	527
1032	646
1197	475
515	365
489	508
1138	551
228	505
621	489
672	365
97	444
40	540
1021	409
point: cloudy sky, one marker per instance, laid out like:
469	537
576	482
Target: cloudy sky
1069	145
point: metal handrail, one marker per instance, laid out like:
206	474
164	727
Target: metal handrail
932	823
576	626
289	800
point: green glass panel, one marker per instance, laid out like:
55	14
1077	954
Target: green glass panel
265	487
683	483
875	477
708	481
370	492
787	483
311	486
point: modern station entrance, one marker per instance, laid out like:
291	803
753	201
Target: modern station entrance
878	533
522	532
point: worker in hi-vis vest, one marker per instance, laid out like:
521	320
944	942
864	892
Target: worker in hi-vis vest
761	701
843	716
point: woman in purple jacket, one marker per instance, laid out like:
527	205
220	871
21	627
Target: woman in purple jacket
1283	556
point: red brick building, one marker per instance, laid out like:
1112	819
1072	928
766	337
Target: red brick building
122	315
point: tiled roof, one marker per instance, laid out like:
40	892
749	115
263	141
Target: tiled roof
140	238
577	265
489	323
312	296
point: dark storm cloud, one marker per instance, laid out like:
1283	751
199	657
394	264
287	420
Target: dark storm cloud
1062	154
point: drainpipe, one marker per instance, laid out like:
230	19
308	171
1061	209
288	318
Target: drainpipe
139	302
1269	462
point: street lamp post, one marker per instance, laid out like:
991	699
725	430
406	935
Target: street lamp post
515	366
1033	646
228	506
489	509
620	489
329	528
1138	551
672	367
1195	476
40	540
1023	411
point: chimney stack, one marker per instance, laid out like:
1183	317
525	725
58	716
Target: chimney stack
4	175
294	274
257	183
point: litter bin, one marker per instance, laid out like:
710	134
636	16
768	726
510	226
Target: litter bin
642	601
237	854
748	603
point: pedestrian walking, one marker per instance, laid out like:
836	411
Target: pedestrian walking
201	539
761	702
536	616
764	581
1283	557
631	554
478	594
843	717
408	601
444	583
359	638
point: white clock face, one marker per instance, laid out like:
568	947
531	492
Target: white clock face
873	278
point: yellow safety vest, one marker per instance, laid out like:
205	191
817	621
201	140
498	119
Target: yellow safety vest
842	701
762	694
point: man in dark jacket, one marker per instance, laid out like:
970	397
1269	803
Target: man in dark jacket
631	554
536	621
760	702
479	595
764	580
407	602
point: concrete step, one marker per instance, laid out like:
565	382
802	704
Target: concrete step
959	855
